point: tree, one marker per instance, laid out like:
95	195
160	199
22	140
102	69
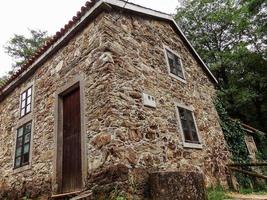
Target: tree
1	81
230	36
20	48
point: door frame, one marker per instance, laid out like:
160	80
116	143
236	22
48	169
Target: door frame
69	86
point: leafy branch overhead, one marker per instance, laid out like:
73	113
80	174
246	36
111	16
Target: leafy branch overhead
230	36
20	47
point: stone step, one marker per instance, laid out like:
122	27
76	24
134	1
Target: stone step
87	195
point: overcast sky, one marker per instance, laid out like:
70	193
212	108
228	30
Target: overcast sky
16	16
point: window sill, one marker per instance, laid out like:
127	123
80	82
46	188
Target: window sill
21	169
177	77
23	120
192	145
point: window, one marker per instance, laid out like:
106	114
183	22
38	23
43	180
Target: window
175	64
26	102
188	126
22	152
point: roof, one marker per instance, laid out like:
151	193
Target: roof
86	13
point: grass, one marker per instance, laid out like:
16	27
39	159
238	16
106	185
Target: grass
251	191
217	193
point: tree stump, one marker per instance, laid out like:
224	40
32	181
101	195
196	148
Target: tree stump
177	186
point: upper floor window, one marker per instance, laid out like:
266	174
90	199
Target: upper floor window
175	66
22	153
26	102
188	126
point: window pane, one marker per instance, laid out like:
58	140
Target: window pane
171	63
180	74
28	108
175	64
193	127
188	126
17	162
22	150
29	99
19	142
195	137
20	132
18	151
187	135
27	138
189	116
23	104
22	113
25	158
23	96
26	148
170	55
182	113
30	91
28	128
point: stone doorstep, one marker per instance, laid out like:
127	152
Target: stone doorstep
83	197
69	194
236	196
77	195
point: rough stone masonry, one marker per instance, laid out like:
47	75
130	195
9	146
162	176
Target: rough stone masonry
119	57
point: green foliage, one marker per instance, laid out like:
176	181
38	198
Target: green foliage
234	135
261	142
217	193
117	195
21	48
231	38
1	81
260	190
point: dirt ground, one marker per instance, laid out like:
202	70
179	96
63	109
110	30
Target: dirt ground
247	197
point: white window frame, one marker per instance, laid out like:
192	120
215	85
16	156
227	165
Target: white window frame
21	121
24	89
188	144
168	65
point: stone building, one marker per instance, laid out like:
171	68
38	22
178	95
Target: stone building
250	136
117	93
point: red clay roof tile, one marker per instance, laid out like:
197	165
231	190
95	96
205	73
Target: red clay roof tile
49	43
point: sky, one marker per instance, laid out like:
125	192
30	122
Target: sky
17	16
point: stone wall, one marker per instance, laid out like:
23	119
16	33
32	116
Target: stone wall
83	56
120	57
148	137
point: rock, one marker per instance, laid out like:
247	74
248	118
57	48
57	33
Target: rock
101	140
110	174
177	186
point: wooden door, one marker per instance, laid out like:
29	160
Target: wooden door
71	163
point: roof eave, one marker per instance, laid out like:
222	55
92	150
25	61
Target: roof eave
97	8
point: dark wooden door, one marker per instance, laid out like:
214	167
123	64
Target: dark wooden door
71	163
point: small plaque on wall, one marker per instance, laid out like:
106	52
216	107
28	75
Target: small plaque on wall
149	100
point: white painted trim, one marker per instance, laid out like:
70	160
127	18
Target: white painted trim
168	64
22	90
187	144
21	121
138	8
